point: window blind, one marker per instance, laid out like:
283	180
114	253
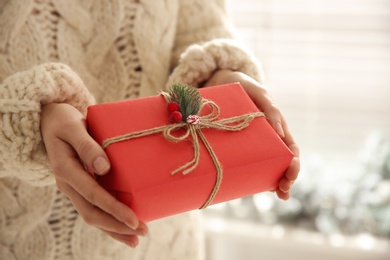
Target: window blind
327	63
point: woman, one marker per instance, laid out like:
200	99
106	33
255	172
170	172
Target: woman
56	58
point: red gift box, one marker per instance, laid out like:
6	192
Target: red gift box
253	159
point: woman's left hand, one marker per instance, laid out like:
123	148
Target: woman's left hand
265	103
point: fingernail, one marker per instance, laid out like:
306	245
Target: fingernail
134	225
142	229
142	232
279	129
101	165
288	187
134	244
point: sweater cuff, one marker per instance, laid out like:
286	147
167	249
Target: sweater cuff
200	61
21	97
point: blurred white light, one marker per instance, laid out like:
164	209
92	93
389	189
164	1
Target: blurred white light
263	202
366	242
337	240
219	207
383	190
278	232
217	225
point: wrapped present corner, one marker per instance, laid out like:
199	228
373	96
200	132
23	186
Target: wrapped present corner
161	168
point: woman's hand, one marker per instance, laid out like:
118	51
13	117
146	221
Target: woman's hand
265	103
71	151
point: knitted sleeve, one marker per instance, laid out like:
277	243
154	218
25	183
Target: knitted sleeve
22	152
204	43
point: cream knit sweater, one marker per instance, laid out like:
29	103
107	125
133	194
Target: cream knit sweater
85	51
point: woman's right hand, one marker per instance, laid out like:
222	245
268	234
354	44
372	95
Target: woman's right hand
70	150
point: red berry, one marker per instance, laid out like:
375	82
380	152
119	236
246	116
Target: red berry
176	116
172	106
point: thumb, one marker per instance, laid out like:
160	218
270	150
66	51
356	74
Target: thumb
66	123
276	120
90	152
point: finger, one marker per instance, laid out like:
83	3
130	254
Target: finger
95	216
289	140
275	119
259	94
89	170
265	103
282	195
284	184
130	240
89	151
292	172
64	122
293	147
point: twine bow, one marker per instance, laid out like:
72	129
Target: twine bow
235	123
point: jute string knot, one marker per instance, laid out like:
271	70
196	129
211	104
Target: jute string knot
209	121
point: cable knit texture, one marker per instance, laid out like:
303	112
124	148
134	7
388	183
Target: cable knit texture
85	51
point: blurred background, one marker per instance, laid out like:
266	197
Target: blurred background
327	63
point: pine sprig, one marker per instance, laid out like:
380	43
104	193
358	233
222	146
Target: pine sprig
187	97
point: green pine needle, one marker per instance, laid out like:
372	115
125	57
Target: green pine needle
187	97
